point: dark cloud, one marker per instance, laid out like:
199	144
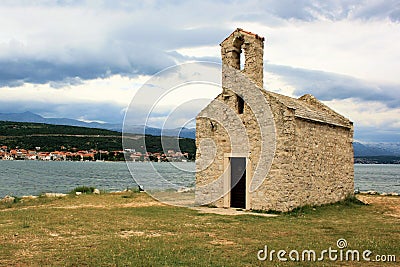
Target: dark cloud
66	82
328	86
378	9
79	110
16	72
96	40
310	10
139	54
131	37
182	58
306	10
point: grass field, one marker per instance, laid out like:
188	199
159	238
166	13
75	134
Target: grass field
131	229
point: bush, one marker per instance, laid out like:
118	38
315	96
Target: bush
83	189
350	200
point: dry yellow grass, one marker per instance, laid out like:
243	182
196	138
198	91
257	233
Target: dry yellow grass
132	229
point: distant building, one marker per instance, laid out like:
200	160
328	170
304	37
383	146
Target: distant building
261	150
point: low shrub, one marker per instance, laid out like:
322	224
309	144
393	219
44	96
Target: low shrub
83	189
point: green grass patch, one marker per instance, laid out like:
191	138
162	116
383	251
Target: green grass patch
350	201
131	229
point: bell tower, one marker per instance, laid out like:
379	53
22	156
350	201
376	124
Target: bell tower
244	46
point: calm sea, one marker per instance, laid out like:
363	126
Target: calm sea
35	177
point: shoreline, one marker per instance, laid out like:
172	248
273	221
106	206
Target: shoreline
107	161
70	193
149	161
30	178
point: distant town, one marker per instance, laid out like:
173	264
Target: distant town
92	155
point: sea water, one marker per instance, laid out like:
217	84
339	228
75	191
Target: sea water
35	177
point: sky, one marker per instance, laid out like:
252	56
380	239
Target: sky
87	59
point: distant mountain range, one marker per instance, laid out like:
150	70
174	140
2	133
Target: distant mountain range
32	117
360	149
376	149
136	129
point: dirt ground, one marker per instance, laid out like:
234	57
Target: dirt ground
392	203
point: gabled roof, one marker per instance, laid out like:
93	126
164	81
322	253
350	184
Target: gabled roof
309	108
239	30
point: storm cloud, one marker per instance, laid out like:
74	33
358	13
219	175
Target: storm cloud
76	59
45	41
327	86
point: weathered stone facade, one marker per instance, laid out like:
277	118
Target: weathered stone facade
297	151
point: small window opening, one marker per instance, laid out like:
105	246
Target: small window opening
240	104
237	53
242	60
213	126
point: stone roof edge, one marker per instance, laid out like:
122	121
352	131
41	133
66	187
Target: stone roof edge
267	93
246	32
321	121
311	98
200	114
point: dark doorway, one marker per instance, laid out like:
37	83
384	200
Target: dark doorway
238	183
240	104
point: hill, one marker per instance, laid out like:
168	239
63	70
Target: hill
377	160
51	137
135	129
8	128
61	137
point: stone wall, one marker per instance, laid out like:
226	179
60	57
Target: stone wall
275	191
212	143
324	159
292	161
313	163
233	133
252	46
